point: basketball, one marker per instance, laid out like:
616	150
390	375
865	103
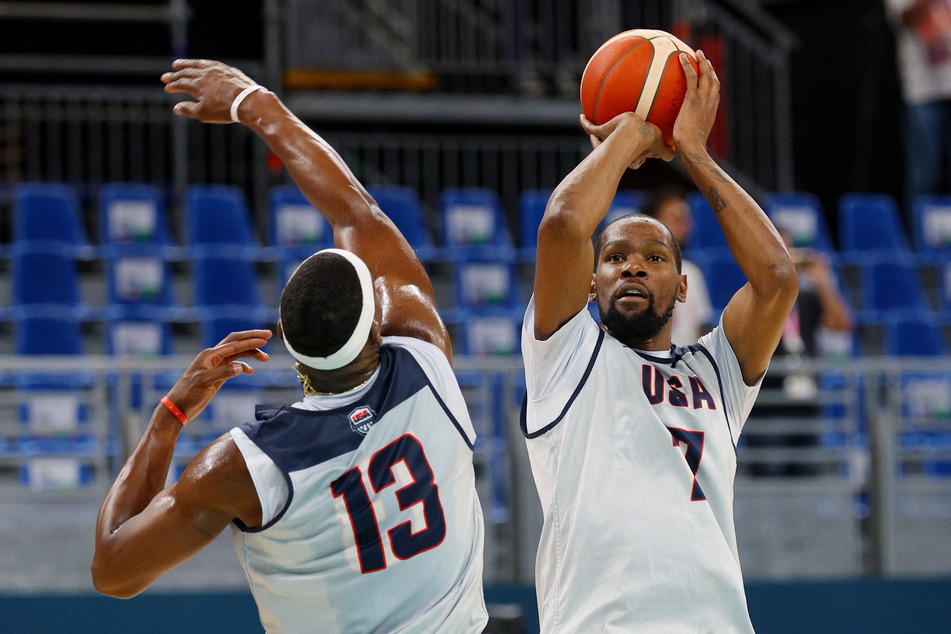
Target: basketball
637	71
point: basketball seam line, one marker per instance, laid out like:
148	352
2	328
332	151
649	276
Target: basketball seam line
608	74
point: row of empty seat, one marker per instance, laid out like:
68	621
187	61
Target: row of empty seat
220	245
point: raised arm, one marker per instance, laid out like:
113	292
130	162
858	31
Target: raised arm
580	202
754	318
408	300
145	529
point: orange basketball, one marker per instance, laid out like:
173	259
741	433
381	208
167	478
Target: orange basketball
637	71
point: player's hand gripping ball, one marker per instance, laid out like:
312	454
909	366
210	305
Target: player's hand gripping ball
637	71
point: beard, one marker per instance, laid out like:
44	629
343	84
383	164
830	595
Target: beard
638	327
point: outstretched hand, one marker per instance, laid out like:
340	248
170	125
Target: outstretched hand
212	84
649	139
699	110
213	366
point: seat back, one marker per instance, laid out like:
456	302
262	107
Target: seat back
222	281
217	215
45	278
403	207
891	283
801	216
47	335
932	224
132	213
912	334
870	223
47	214
473	217
295	224
707	234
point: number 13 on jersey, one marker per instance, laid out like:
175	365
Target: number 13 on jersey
420	525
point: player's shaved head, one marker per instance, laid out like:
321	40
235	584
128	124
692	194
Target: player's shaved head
321	304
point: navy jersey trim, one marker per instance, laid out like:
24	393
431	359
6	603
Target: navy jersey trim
455	423
523	415
726	411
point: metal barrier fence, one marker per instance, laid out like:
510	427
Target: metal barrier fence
850	479
90	135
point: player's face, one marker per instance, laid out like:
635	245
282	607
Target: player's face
636	281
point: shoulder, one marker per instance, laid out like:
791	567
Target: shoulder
430	357
218	478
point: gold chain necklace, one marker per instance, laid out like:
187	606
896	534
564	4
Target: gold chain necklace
309	389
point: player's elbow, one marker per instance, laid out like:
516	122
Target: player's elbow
781	281
562	222
108	583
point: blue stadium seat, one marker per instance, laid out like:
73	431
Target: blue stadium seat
531	209
625	203
56	442
912	333
221	281
801	216
707	234
218	223
932	230
473	225
140	287
869	224
723	277
484	287
482	284
888	283
295	224
532	205
46	330
403	207
132	215
138	337
47	217
944	288
488	334
48	279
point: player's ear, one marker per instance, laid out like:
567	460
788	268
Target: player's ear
682	292
279	330
593	291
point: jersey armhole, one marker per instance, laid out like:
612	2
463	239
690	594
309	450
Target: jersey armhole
273	486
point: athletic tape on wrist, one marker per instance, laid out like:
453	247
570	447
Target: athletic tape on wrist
349	351
237	101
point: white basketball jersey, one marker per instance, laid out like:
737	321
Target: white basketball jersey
633	457
378	527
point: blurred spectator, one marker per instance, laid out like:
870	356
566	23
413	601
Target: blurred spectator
820	326
692	318
923	41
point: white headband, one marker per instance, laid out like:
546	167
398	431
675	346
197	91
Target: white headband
349	351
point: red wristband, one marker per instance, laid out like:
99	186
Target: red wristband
177	413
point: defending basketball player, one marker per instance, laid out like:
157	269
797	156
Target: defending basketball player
631	439
355	509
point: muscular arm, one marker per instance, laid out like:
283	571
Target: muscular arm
754	318
144	530
408	300
579	203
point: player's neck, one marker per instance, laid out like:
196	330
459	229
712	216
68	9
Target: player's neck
658	343
346	379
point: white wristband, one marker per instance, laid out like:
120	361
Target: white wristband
237	101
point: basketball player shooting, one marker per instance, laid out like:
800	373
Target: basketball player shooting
355	509
632	440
